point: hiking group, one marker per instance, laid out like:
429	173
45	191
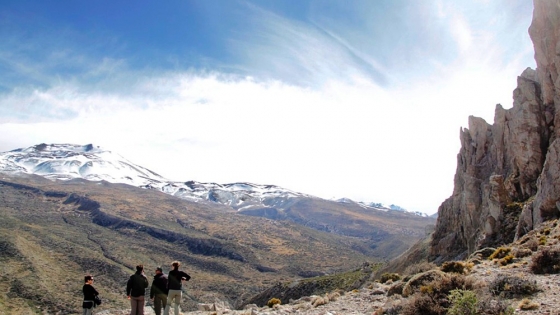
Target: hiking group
165	290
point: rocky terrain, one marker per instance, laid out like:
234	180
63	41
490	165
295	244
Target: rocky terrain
515	287
495	248
54	232
508	175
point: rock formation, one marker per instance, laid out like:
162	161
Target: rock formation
508	174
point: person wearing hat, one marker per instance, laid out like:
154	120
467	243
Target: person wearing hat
158	291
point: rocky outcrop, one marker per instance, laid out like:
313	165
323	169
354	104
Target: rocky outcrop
508	174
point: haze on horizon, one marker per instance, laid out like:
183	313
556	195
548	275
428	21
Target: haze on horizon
361	99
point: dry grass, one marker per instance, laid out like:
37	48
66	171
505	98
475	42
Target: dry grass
59	243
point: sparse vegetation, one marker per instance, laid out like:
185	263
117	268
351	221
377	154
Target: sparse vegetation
389	276
527	305
508	286
506	260
419	268
463	302
546	260
500	252
460	267
273	302
532	244
433	296
522	252
490	306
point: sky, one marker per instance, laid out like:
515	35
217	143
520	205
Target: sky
361	99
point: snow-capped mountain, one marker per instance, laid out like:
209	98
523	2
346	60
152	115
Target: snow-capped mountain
69	161
379	206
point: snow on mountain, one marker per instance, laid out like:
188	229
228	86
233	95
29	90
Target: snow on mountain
69	161
379	206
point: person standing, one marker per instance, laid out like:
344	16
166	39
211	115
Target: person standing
158	291
136	289
175	280
89	295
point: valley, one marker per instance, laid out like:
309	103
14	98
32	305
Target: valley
54	232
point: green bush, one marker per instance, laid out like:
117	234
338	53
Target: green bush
463	302
273	302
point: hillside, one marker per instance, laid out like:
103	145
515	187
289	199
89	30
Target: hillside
57	231
513	279
385	232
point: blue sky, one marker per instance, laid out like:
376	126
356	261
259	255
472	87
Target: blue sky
357	99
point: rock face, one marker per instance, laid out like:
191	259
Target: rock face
508	173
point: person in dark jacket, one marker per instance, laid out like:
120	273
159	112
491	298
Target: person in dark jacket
136	289
89	294
175	280
158	291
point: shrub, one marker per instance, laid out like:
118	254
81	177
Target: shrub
390	276
542	240
546	231
506	260
532	244
456	266
500	252
422	304
273	302
396	288
527	304
546	260
333	296
522	252
482	253
512	286
488	306
421	279
394	310
433	296
463	302
317	301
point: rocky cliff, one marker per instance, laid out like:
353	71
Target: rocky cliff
508	174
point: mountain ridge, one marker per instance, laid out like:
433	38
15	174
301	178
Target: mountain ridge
69	161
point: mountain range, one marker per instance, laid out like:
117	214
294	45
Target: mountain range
69	210
69	161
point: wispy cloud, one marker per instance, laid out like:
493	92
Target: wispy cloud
313	105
